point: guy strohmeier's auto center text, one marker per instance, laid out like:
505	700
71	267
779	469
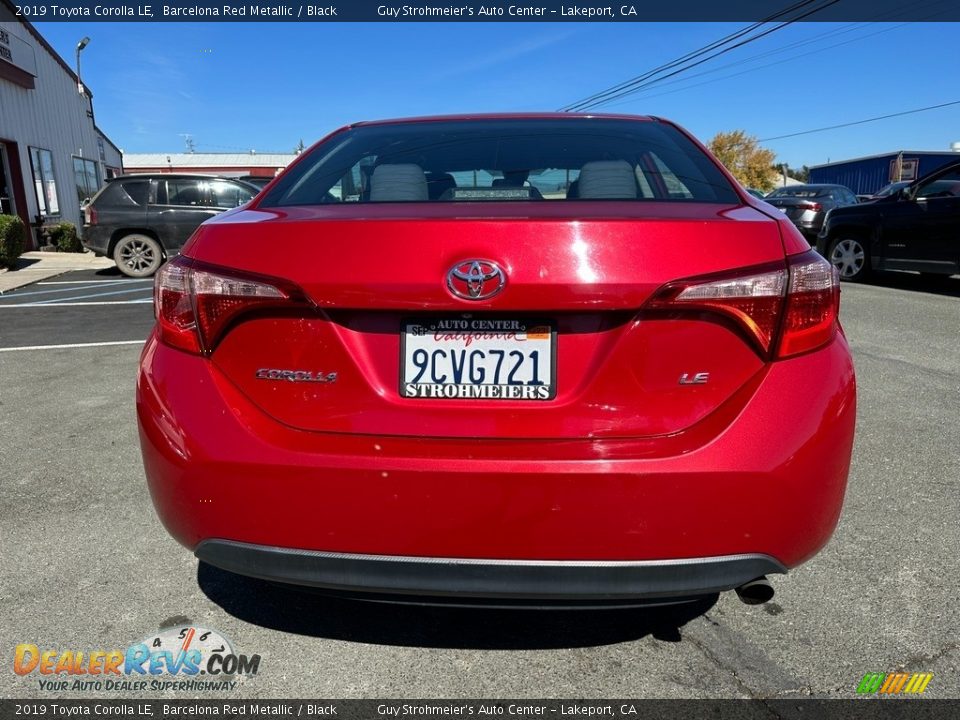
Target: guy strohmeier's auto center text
333	11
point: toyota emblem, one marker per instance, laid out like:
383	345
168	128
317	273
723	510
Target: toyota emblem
476	279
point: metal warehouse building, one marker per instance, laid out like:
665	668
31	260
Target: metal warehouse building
866	175
223	164
52	155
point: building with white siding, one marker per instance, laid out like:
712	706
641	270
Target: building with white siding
250	163
52	155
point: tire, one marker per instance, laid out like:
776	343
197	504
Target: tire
850	257
138	256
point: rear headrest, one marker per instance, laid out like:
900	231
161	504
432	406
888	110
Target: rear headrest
398	183
607	180
439	183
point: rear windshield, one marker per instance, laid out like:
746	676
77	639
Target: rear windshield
800	192
504	160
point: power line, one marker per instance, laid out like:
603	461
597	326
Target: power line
778	51
724	51
764	66
647	79
684	58
861	122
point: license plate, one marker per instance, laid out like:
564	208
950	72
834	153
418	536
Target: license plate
478	359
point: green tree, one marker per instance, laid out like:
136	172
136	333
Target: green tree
742	155
802	174
300	147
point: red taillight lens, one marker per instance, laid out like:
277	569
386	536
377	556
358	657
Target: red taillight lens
785	309
194	302
90	215
754	299
813	305
173	307
811	206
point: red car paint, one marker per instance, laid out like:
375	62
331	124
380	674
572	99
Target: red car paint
633	460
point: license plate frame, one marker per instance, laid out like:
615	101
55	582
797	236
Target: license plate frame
433	323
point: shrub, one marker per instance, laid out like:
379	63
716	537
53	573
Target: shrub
12	239
64	236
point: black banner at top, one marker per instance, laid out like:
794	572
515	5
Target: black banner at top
529	709
488	10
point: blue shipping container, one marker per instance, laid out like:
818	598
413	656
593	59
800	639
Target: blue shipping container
865	176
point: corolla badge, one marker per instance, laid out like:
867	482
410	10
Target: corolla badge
475	279
317	376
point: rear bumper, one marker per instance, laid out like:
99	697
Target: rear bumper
96	239
477	578
763	476
809	228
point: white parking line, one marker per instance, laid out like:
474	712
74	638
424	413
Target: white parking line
73	345
75	304
82	282
94	287
86	296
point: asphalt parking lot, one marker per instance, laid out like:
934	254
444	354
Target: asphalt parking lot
91	306
86	564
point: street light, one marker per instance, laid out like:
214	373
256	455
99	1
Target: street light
80	46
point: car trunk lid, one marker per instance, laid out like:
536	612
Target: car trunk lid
618	372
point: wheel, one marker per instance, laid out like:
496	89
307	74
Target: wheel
850	258
138	255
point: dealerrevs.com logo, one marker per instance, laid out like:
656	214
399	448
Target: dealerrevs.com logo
182	658
894	683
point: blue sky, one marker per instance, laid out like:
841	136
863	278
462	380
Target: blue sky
237	86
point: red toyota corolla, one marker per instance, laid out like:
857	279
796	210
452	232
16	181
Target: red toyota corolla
559	358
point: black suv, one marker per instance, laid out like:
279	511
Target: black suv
916	228
139	220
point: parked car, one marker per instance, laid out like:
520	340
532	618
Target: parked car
883	192
140	220
806	205
915	228
760	194
458	387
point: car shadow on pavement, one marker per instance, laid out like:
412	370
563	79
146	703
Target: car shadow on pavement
305	612
22	263
933	284
110	272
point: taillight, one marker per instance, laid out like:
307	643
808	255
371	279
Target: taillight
90	215
195	303
784	309
173	306
815	206
812	307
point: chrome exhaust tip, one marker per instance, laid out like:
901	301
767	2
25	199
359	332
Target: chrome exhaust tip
755	592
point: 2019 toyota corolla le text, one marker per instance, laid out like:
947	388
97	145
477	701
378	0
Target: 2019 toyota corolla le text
550	358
